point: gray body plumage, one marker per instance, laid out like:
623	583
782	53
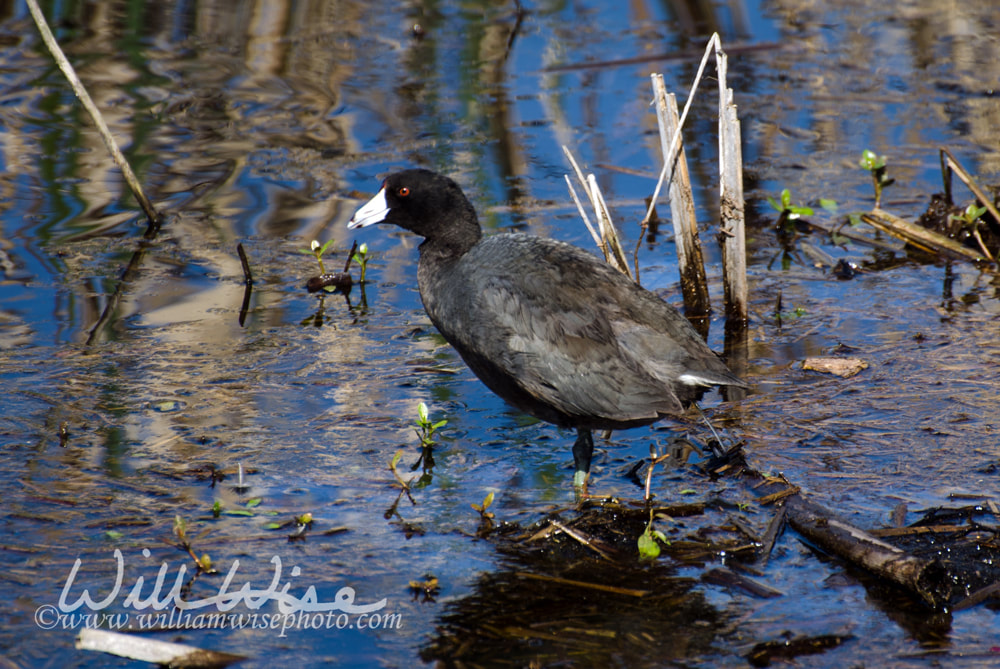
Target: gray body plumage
561	335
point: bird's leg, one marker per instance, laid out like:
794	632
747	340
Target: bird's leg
720	448
583	450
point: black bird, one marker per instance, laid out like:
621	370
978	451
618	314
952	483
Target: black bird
552	329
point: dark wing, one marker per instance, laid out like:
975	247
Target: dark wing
550	326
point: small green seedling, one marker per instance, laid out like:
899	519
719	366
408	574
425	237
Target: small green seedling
361	257
876	164
970	217
485	516
317	251
428	588
482	509
970	221
786	210
425	428
649	548
204	563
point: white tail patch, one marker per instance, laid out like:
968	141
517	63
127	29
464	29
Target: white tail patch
695	380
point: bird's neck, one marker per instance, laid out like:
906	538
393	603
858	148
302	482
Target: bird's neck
451	243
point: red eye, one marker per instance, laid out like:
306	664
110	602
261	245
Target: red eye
403	191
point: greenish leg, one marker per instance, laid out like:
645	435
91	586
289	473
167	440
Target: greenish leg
583	450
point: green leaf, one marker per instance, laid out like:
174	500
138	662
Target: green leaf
254	502
774	204
238	512
828	205
867	160
114	535
648	548
871	161
323	248
786	198
972	212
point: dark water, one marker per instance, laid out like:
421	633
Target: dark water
267	123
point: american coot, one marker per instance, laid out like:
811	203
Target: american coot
550	328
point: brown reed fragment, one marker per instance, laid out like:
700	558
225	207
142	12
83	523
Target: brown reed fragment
919	236
771	534
917	530
583	584
778	496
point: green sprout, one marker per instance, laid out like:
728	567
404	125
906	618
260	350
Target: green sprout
428	588
425	428
316	250
876	164
970	217
786	210
485	516
204	563
482	509
970	222
649	548
361	257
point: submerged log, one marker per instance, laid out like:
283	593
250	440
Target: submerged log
929	580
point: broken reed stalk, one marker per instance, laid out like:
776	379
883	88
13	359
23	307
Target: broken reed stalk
607	239
919	236
675	141
95	114
690	262
731	186
731	210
